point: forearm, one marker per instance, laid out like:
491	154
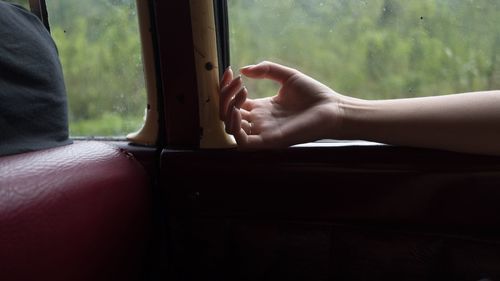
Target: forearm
463	122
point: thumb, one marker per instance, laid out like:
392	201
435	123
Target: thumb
269	70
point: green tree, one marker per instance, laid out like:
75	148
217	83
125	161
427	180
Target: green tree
369	49
100	51
373	49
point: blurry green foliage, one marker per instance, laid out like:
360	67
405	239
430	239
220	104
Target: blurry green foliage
369	49
23	3
372	49
99	46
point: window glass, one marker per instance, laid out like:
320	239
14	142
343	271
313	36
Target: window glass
99	47
372	49
23	3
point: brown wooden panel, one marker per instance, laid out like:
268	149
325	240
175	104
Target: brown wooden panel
178	74
347	213
357	184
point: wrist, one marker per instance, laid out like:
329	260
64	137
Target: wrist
352	115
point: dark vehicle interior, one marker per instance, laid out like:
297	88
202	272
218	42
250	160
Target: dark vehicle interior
177	210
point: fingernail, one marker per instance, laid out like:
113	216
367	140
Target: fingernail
228	68
224	76
247	67
240	98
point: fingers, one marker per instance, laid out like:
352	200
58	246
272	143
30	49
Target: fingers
226	78
246	114
226	95
244	140
248	143
246	126
237	102
245	119
269	70
235	107
240	97
235	124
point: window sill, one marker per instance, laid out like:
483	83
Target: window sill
339	143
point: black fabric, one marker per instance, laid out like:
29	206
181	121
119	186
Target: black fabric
33	107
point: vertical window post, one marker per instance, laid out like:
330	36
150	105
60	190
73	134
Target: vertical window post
148	134
207	72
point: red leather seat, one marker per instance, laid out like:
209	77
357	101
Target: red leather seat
78	212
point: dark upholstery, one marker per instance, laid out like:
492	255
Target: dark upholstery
77	212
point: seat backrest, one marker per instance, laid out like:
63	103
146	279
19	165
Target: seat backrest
77	212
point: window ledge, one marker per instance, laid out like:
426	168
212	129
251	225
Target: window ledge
339	143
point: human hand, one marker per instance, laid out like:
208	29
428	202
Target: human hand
303	110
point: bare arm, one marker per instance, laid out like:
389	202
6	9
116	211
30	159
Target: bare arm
305	110
468	122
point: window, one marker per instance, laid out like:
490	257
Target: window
372	49
23	3
100	50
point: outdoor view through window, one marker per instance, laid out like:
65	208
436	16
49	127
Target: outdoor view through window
100	50
374	49
23	3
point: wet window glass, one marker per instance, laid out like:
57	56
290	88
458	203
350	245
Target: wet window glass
99	47
373	49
